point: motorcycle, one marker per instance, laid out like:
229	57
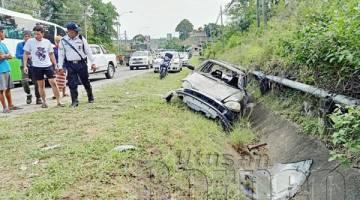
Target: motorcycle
165	65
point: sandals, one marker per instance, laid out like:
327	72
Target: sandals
60	105
44	105
5	110
14	108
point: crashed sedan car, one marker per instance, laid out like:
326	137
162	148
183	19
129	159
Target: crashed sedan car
216	89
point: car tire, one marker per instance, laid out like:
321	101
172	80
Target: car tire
131	68
110	71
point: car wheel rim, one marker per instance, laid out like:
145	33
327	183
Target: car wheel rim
111	71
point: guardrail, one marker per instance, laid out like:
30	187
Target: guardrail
318	92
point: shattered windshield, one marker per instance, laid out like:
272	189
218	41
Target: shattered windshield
222	74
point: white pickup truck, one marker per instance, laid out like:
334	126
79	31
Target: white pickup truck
105	62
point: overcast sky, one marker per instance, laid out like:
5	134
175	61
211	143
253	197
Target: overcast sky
159	17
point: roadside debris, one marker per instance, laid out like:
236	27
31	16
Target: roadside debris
23	167
123	148
216	89
252	147
35	162
281	182
51	147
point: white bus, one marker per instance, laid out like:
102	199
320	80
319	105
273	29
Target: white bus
15	24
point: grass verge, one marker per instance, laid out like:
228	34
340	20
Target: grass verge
62	153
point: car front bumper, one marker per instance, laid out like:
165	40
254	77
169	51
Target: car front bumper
174	68
200	102
138	64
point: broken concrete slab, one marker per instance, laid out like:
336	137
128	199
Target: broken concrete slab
280	182
286	145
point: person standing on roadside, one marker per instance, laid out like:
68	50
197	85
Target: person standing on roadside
6	83
61	72
25	82
43	59
73	54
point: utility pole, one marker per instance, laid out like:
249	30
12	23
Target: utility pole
119	26
125	39
222	26
118	36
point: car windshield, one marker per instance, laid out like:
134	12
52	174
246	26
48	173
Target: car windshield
175	54
140	53
223	74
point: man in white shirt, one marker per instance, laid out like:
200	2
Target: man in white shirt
74	51
42	54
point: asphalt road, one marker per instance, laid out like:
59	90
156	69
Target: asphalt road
19	96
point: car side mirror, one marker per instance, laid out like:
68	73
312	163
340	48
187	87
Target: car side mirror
189	66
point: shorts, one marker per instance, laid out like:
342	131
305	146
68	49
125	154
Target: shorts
39	72
5	81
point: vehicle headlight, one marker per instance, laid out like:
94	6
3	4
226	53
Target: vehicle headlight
236	97
186	85
233	106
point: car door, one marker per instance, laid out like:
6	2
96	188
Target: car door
97	58
102	59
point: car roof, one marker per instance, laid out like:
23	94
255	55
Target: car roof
227	65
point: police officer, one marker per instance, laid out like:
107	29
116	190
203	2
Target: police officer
74	51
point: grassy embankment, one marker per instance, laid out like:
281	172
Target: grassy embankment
84	165
313	42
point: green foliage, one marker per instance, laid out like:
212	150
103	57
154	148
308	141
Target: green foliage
23	6
139	38
328	42
102	22
51	10
242	14
99	25
173	44
242	134
184	28
212	30
346	136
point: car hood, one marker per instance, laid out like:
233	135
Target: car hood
212	87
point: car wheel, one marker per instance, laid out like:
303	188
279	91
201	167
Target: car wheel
131	68
110	71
